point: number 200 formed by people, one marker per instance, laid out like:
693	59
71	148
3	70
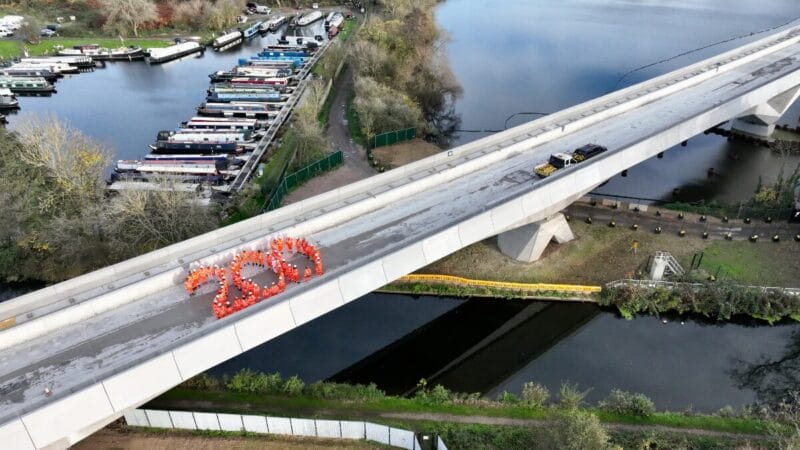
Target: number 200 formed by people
251	292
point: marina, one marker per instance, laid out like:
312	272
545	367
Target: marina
220	146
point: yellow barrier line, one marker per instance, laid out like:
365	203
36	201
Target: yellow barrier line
8	323
501	284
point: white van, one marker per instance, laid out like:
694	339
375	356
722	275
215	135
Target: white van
263	10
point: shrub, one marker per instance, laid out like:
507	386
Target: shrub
535	395
570	396
293	386
575	430
628	403
507	398
440	395
202	382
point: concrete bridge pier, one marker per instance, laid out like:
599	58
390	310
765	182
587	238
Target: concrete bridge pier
760	120
527	243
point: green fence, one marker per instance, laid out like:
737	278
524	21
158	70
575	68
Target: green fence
295	179
392	137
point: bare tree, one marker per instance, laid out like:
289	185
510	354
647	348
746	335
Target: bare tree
123	16
71	160
137	221
223	14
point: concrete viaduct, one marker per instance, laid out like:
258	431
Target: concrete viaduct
77	355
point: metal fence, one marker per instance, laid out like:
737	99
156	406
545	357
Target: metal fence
299	177
652	284
327	429
392	137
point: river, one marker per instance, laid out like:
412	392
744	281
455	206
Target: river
521	56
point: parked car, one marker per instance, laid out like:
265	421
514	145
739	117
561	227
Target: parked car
6	33
47	32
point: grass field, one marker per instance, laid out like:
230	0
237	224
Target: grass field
601	254
14	48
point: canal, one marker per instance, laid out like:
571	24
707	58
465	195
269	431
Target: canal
519	57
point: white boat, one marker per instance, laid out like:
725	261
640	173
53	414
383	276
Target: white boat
56	68
160	55
336	21
7	99
309	18
104	54
227	39
273	24
252	30
77	61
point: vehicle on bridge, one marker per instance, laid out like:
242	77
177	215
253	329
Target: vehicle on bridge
587	151
556	161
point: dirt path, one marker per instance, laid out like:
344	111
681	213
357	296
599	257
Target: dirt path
355	167
488	420
118	437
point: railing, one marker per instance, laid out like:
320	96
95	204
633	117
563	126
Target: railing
247	169
412	278
299	177
392	137
672	284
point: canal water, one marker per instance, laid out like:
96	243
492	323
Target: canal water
515	56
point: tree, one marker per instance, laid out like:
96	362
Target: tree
30	31
138	221
223	14
123	16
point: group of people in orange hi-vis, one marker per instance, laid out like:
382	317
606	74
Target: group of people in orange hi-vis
251	291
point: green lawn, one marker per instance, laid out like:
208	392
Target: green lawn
353	123
11	49
347	29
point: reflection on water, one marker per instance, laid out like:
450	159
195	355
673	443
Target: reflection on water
493	345
547	55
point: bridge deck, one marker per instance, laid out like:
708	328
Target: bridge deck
83	354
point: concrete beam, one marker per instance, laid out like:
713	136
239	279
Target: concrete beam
528	242
760	120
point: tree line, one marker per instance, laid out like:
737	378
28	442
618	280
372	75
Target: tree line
402	78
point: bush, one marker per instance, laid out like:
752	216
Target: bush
507	398
293	386
628	403
570	396
202	382
575	430
535	395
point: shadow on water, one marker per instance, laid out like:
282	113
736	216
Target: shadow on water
472	348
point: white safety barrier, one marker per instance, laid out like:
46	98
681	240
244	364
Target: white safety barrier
320	428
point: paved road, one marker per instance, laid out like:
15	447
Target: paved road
82	354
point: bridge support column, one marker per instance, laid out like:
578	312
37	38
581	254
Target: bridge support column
760	120
527	243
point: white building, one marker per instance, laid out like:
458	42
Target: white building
12	22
